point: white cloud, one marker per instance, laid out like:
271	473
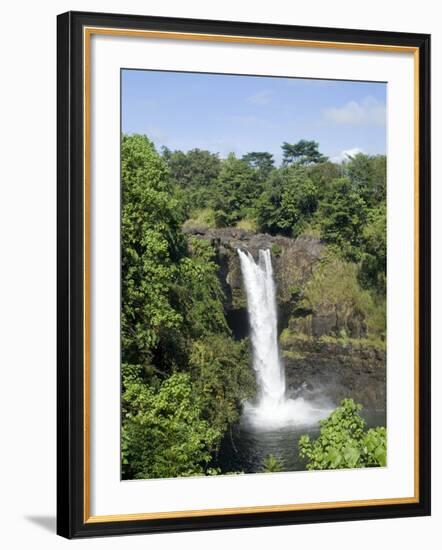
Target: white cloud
346	154
369	111
260	98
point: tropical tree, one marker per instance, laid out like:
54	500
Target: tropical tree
183	375
288	202
238	187
342	217
322	175
303	152
195	168
194	173
152	244
262	162
368	176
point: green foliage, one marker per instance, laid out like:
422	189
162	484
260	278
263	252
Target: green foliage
272	464
199	293
178	354
262	162
334	288
343	214
343	204
196	168
302	152
368	177
288	202
164	434
352	217
344	443
184	376
203	218
249	224
152	243
238	186
220	369
276	249
170	290
322	175
374	259
195	172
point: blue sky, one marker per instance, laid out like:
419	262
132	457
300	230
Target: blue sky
231	113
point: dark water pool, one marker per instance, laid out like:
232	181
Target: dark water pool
245	449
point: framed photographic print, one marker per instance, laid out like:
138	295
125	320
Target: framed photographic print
243	274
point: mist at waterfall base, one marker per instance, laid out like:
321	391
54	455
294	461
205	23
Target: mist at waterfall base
272	422
272	409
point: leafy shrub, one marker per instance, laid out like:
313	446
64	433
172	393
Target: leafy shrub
344	443
248	224
164	434
272	464
276	249
334	288
202	217
221	375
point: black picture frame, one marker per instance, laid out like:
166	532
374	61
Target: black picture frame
71	497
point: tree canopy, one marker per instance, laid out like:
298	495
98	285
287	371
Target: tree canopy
171	307
262	162
303	152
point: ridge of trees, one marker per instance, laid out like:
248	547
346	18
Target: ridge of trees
343	203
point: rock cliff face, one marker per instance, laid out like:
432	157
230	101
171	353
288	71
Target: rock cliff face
337	369
292	260
314	354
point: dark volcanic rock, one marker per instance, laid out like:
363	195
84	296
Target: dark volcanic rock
314	355
338	370
292	259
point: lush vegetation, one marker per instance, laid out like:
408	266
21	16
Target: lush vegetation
344	442
184	376
342	203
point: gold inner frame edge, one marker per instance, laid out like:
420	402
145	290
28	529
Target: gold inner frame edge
87	33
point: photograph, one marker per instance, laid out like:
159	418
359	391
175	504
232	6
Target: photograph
253	274
243	274
219	247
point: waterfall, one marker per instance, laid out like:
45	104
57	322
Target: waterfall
261	305
272	409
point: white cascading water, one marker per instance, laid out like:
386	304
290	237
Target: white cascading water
273	409
261	305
